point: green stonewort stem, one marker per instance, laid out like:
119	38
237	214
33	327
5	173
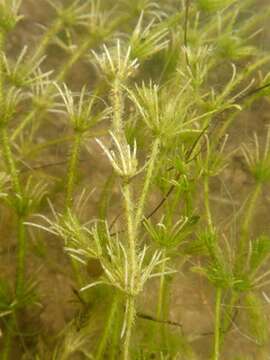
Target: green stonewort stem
72	170
7	345
8	336
147	181
131	229
161	292
217	333
162	310
118	108
2	46
250	212
27	119
46	38
132	260
50	143
109	328
12	170
115	336
228	314
171	208
9	161
244	236
85	45
69	193
188	204
207	203
20	276
131	313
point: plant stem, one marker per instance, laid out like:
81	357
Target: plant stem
27	119
249	215
69	194
132	256
12	171
108	328
21	256
2	45
131	313
118	108
43	43
132	259
21	252
8	338
207	203
9	160
217	324
147	181
162	304
72	170
115	336
245	228
161	293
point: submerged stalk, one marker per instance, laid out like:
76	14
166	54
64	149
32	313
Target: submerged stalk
130	319
54	28
217	336
21	256
161	293
118	107
207	203
69	194
147	181
18	195
244	235
72	170
108	328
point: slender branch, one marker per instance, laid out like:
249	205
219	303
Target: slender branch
216	353
130	319
147	181
72	170
108	329
43	43
187	6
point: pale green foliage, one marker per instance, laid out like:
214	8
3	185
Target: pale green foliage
258	160
20	74
166	116
123	159
168	236
148	40
9	105
75	14
256	318
213	161
9	16
116	267
116	63
214	5
80	109
4	180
